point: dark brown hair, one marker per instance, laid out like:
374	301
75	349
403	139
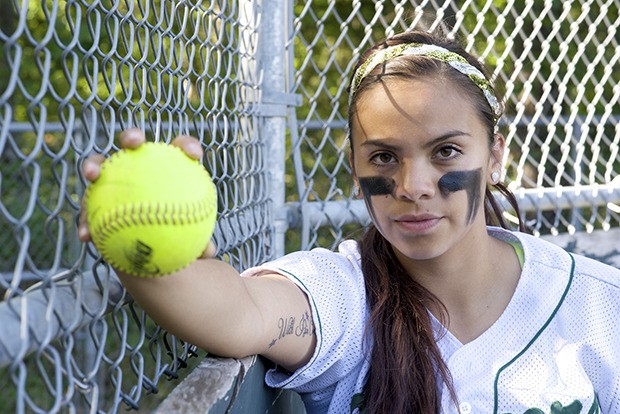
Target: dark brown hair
406	368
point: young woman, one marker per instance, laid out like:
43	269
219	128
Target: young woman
433	310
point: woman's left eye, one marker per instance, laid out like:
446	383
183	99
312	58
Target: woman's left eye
448	152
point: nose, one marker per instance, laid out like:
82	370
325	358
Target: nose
414	181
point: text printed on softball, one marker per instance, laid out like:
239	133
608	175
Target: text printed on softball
140	258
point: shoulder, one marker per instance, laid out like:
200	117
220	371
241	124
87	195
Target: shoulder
555	254
597	254
319	260
320	271
597	272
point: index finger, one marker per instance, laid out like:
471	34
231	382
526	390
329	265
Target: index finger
91	166
190	145
132	138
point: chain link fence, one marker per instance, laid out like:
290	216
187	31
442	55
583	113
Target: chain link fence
72	75
262	84
556	62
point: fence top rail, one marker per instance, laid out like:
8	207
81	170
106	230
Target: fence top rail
349	211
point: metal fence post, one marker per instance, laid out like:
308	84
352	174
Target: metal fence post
273	107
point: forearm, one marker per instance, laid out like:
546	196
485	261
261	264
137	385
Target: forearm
209	305
205	303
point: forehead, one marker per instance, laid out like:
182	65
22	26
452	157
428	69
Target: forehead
426	107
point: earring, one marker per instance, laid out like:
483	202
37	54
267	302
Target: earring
495	177
355	192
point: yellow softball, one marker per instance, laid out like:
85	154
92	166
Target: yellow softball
152	210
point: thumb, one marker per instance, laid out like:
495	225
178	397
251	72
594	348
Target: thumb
210	251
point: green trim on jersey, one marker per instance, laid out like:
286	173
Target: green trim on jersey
518	250
317	326
540	331
576	407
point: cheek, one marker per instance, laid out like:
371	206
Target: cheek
375	189
469	181
378	185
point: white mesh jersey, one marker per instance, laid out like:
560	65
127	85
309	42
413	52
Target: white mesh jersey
554	349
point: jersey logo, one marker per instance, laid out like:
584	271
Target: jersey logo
575	407
357	403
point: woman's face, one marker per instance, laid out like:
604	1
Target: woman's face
422	159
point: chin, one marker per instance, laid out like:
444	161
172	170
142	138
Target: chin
416	251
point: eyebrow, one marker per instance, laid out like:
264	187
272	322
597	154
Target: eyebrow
445	137
382	143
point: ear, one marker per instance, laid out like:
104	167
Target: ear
496	158
352	165
353	173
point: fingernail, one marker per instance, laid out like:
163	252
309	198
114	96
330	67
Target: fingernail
194	149
87	167
83	234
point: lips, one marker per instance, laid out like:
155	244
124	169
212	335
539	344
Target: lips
418	223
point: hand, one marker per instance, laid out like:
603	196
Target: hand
133	138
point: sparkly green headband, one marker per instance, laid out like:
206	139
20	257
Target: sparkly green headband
455	60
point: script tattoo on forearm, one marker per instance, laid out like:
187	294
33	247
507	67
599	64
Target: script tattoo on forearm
291	326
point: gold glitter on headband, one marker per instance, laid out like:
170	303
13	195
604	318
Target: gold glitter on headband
455	60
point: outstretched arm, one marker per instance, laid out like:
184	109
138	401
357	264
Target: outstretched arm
209	305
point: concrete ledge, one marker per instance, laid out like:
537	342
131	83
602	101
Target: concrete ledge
231	386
